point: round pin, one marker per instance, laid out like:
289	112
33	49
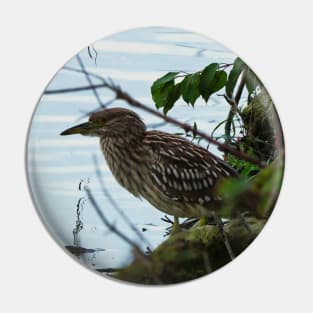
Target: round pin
155	156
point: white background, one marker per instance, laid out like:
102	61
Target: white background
275	38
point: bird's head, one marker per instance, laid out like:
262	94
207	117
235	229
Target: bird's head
116	122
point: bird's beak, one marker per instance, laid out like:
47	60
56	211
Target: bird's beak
82	129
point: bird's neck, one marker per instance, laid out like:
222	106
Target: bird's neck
124	158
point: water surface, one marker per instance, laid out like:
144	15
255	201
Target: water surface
58	166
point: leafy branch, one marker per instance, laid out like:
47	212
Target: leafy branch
122	95
166	91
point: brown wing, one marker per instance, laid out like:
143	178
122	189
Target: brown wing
185	171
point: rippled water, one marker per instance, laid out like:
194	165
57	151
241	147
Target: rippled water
57	165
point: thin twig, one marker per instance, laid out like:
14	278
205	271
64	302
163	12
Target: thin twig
77	70
220	227
166	219
234	107
87	75
107	223
87	113
144	258
75	89
225	65
206	262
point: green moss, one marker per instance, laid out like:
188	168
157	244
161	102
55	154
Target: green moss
262	126
190	254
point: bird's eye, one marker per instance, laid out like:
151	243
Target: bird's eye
97	123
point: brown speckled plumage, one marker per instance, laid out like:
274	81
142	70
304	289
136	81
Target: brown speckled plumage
173	174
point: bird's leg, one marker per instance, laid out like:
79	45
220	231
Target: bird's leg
176	227
203	221
220	226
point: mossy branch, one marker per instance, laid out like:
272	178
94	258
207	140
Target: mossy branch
192	254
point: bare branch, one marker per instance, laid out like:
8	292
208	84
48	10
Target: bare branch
144	258
234	106
106	222
75	89
87	113
87	75
72	69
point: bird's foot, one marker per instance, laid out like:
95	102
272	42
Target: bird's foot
206	220
176	226
203	221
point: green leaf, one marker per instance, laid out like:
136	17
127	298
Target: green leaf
172	97
252	81
234	74
164	91
207	77
190	87
220	80
248	169
217	126
161	94
162	87
164	79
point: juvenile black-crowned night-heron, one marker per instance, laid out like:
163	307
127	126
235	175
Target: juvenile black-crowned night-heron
175	175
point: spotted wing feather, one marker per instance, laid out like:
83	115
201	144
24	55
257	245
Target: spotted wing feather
185	171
